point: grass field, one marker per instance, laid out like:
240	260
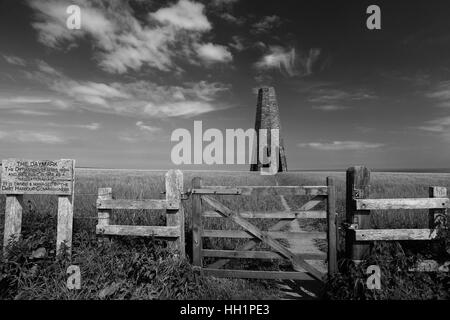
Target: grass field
131	268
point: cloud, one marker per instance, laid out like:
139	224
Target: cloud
145	127
238	43
441	93
214	53
185	14
288	61
278	58
308	60
330	96
120	40
15	60
330	107
440	127
22	104
24	100
437	125
221	3
266	24
91	126
27	112
91	92
178	109
138	98
31	136
232	19
341	145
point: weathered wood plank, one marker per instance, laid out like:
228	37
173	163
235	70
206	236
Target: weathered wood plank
332	228
297	262
411	203
65	224
357	187
126	204
273	215
104	215
143	231
242	234
250	274
394	234
13	219
197	227
174	189
249	254
437	217
263	190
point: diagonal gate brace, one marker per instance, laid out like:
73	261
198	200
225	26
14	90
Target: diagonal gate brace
296	261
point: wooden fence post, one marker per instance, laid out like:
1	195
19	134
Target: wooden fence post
437	217
65	223
13	219
197	227
332	233
357	187
104	214
174	189
65	218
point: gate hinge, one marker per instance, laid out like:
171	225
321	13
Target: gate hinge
350	226
185	195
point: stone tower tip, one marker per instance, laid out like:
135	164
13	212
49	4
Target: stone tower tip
267	117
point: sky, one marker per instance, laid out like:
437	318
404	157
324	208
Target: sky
111	93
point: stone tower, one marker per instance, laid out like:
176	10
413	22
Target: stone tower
267	117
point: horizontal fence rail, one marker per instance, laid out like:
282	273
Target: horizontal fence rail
395	234
263	190
142	231
395	204
274	215
241	234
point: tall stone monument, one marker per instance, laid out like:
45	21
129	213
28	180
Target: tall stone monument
268	117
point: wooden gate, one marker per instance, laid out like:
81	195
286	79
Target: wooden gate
174	229
302	269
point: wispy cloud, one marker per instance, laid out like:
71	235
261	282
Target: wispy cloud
138	98
124	43
185	15
145	127
331	99
31	136
211	53
341	145
28	112
15	60
232	19
24	100
278	58
439	127
266	24
289	61
441	94
330	107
